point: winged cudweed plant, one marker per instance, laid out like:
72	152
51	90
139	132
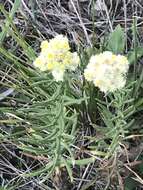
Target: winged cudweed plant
45	119
108	71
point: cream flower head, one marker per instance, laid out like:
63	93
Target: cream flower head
56	57
107	71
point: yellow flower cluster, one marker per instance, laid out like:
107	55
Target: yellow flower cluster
107	71
56	57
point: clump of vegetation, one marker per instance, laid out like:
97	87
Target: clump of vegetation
71	116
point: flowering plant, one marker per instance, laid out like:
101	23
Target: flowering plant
97	96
